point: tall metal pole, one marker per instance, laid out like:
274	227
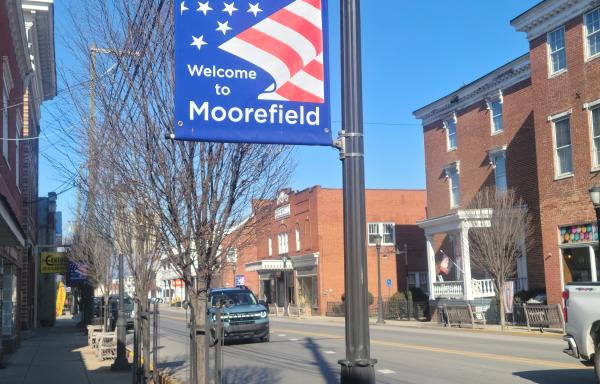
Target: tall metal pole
379	299
121	363
357	367
406	267
285	287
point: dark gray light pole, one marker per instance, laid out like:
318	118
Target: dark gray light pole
121	363
357	367
379	299
285	287
595	196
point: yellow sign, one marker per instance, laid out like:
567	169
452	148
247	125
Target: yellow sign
61	296
54	262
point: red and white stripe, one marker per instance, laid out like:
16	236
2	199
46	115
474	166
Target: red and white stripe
289	46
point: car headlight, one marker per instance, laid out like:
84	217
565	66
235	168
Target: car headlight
132	315
263	314
213	317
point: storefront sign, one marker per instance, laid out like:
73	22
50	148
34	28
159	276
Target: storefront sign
576	234
54	262
77	274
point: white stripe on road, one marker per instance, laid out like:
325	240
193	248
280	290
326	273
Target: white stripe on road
293	339
329	352
385	371
281	335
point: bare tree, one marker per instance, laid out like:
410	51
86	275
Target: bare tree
496	247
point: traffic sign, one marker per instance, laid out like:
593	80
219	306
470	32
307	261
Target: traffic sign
388	282
252	71
240	280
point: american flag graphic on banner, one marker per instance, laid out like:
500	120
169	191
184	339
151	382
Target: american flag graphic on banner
252	71
289	46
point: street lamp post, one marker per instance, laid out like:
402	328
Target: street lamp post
121	363
595	196
379	299
405	252
285	286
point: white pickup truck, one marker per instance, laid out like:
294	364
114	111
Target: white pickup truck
582	317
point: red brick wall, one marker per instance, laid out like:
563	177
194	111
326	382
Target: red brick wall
318	212
563	201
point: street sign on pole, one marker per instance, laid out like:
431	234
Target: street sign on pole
252	72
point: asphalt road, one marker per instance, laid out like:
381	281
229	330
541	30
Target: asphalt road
306	352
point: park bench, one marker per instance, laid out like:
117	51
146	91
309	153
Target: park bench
543	316
92	330
463	314
106	345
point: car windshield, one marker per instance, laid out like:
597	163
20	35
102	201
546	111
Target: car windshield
236	298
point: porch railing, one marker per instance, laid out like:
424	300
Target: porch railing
455	289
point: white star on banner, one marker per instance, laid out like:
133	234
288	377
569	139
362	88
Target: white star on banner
254	9
183	8
230	8
223	27
204	7
198	41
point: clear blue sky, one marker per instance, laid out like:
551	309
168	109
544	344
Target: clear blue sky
414	52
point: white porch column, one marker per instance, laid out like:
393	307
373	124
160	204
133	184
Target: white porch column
593	264
430	265
466	261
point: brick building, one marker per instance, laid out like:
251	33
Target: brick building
306	229
532	125
28	78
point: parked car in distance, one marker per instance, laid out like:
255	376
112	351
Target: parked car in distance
582	318
243	316
113	303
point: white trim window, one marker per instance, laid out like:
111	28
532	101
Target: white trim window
385	230
498	161
19	129
5	94
592	32
283	243
557	54
270	246
450	127
562	146
496	114
231	257
595	122
452	174
298	238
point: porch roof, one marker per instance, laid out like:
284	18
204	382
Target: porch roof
461	219
294	262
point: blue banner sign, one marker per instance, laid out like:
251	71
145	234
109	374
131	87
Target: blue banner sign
76	274
252	71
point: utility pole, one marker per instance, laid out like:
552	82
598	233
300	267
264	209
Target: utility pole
121	363
357	367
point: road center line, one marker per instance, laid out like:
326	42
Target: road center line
479	355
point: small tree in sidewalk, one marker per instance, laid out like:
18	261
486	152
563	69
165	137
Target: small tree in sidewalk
498	242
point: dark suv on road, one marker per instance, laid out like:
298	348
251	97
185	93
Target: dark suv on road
243	316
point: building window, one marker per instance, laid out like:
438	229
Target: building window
298	238
450	126
562	142
18	150
5	92
452	173
231	257
556	48
270	246
496	111
498	160
283	243
385	230
592	28
418	280
596	135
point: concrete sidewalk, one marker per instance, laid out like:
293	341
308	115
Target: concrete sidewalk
58	354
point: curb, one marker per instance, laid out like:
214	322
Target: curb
164	375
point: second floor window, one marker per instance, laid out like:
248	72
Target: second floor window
556	48
496	110
450	126
452	173
592	28
596	135
18	150
385	230
499	161
562	140
283	243
5	91
297	237
270	246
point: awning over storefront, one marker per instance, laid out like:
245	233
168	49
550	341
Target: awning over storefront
11	234
267	265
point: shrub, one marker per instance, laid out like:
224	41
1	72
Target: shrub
370	298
